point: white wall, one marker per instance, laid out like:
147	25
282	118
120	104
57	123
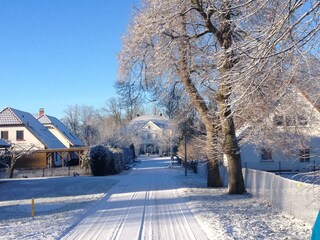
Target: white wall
251	158
29	138
60	136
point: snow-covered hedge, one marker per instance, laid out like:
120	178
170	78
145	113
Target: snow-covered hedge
98	160
128	154
106	160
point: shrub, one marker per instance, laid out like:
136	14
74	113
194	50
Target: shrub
98	160
115	161
128	154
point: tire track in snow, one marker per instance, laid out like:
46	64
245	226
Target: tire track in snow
143	205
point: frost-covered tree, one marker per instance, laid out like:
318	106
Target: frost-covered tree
84	122
10	157
235	50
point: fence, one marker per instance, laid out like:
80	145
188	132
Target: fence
298	199
45	172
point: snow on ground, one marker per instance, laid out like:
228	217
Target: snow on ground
239	216
66	204
58	202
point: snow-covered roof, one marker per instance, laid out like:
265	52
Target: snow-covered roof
49	120
140	121
11	116
4	144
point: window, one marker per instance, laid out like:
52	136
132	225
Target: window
278	120
148	136
290	121
20	136
266	154
302	120
5	135
304	155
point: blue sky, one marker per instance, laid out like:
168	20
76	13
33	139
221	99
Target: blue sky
57	53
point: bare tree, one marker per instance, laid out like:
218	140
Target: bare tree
83	121
236	50
168	61
112	109
72	119
10	157
130	100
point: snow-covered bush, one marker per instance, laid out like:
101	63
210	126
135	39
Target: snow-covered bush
115	162
128	154
98	160
106	160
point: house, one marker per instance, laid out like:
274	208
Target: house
22	130
293	142
150	134
59	130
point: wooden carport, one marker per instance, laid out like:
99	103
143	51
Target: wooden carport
64	153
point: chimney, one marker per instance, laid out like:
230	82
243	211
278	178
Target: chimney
160	114
138	115
41	111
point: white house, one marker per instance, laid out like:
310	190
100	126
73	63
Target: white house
296	137
150	133
24	131
59	130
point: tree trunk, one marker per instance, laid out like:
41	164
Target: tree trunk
11	172
230	145
214	179
229	142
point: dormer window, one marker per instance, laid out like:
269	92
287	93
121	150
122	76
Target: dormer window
290	121
302	120
278	120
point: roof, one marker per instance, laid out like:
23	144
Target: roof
4	144
11	116
46	119
140	121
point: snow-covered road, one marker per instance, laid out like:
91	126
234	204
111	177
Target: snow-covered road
148	202
145	204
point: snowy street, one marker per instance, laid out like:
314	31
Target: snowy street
151	201
144	205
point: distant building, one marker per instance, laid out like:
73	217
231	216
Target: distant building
151	134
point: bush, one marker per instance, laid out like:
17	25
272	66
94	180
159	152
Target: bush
106	160
128	154
115	163
98	160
